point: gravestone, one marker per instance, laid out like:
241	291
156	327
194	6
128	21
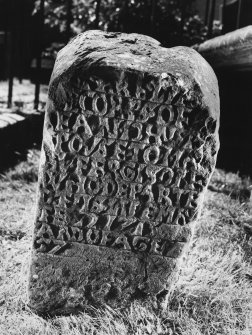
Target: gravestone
130	141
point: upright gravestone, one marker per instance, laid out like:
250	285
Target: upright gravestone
130	141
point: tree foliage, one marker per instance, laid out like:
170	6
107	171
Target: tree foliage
172	22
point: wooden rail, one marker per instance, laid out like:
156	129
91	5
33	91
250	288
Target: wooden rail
230	51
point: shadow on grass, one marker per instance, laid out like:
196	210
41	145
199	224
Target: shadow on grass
13	158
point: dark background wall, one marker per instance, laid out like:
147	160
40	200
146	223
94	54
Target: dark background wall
236	121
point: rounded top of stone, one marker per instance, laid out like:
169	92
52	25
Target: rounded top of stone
126	51
101	51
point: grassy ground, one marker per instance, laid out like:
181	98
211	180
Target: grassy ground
212	296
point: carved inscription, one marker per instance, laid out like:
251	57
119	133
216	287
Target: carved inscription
128	165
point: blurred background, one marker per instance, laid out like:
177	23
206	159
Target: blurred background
32	32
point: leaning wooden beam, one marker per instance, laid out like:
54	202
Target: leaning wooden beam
232	50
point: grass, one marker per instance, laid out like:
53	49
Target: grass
213	294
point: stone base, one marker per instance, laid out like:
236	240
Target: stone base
95	276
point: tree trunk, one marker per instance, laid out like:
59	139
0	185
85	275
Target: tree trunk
97	13
239	14
207	12
69	19
183	16
210	24
39	56
152	17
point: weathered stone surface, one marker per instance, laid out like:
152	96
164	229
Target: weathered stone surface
130	141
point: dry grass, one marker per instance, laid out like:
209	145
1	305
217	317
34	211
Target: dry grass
212	296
